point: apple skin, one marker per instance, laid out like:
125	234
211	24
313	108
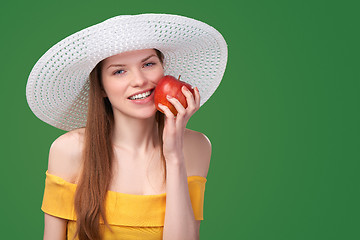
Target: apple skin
169	85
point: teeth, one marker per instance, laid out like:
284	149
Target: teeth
141	95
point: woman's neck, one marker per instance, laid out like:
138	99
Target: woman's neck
134	134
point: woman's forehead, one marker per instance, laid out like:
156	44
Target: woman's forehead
130	57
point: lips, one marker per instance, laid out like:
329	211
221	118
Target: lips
141	94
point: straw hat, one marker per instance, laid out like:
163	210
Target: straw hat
57	87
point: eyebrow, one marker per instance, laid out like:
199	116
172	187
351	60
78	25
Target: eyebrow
122	65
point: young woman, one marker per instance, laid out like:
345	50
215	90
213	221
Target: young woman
125	170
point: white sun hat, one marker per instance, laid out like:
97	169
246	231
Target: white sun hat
57	87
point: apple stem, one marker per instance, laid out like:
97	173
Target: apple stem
179	78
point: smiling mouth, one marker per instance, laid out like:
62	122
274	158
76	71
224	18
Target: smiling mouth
141	95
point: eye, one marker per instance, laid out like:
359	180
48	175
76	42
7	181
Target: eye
149	64
119	72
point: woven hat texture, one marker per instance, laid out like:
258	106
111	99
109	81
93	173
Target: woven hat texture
57	87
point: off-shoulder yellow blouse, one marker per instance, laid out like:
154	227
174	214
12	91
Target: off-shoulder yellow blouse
130	216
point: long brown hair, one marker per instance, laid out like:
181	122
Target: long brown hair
98	156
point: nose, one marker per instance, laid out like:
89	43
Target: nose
139	79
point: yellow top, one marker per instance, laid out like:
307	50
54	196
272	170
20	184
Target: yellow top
130	216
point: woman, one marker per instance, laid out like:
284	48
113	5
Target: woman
129	172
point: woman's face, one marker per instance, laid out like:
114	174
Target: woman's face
129	80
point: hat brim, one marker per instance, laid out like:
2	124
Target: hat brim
57	87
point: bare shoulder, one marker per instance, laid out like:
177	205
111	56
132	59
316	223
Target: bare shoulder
197	153
65	155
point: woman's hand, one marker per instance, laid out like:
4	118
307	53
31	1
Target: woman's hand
173	135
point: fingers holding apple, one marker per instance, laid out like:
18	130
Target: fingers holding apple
170	117
179	107
169	85
193	99
178	101
197	97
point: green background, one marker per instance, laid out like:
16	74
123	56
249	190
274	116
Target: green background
284	122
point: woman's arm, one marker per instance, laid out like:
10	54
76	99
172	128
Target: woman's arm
55	228
197	153
179	221
64	161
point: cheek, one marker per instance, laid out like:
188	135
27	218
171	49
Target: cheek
159	74
113	88
111	83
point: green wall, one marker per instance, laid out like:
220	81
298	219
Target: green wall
284	123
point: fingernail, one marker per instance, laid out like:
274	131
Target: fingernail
168	97
185	88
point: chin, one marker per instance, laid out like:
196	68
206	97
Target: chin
143	114
146	115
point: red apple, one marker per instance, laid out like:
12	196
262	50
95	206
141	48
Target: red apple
169	85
